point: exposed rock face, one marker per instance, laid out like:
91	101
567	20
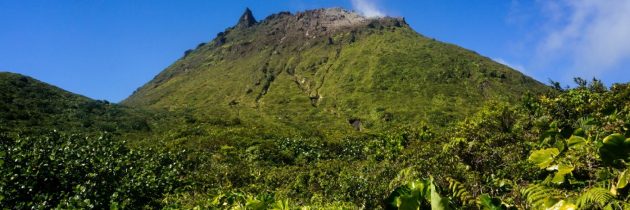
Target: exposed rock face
329	19
286	29
313	23
320	22
246	20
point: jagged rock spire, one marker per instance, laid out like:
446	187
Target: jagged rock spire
246	20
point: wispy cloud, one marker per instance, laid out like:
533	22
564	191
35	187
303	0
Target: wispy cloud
592	34
367	8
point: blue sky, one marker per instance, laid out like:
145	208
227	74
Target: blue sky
105	49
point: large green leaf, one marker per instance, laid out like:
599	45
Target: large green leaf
563	170
416	195
281	205
576	141
410	196
614	140
563	205
543	158
614	148
623	179
437	201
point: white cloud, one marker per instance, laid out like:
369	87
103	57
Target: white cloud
367	8
518	67
593	34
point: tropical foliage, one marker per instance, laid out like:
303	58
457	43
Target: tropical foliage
57	170
563	150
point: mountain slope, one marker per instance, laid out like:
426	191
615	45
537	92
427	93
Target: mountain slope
330	69
27	104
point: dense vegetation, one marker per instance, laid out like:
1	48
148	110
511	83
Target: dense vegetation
29	105
73	171
558	150
435	126
565	148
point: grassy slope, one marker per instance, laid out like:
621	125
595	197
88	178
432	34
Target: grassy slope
29	105
386	77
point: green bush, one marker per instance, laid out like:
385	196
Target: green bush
74	171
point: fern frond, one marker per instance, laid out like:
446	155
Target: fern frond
595	197
539	195
459	191
404	176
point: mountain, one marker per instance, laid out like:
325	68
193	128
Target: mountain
331	70
323	109
29	105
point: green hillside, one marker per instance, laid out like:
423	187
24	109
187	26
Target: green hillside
27	104
63	150
331	71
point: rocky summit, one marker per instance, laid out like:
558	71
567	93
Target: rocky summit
247	19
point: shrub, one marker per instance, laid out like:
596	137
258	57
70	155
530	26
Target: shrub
73	171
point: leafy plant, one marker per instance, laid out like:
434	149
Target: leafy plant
615	147
596	198
540	196
419	194
458	191
72	171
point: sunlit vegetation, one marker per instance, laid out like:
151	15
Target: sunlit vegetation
382	76
56	170
567	149
370	117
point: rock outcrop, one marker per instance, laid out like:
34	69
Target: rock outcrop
247	19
